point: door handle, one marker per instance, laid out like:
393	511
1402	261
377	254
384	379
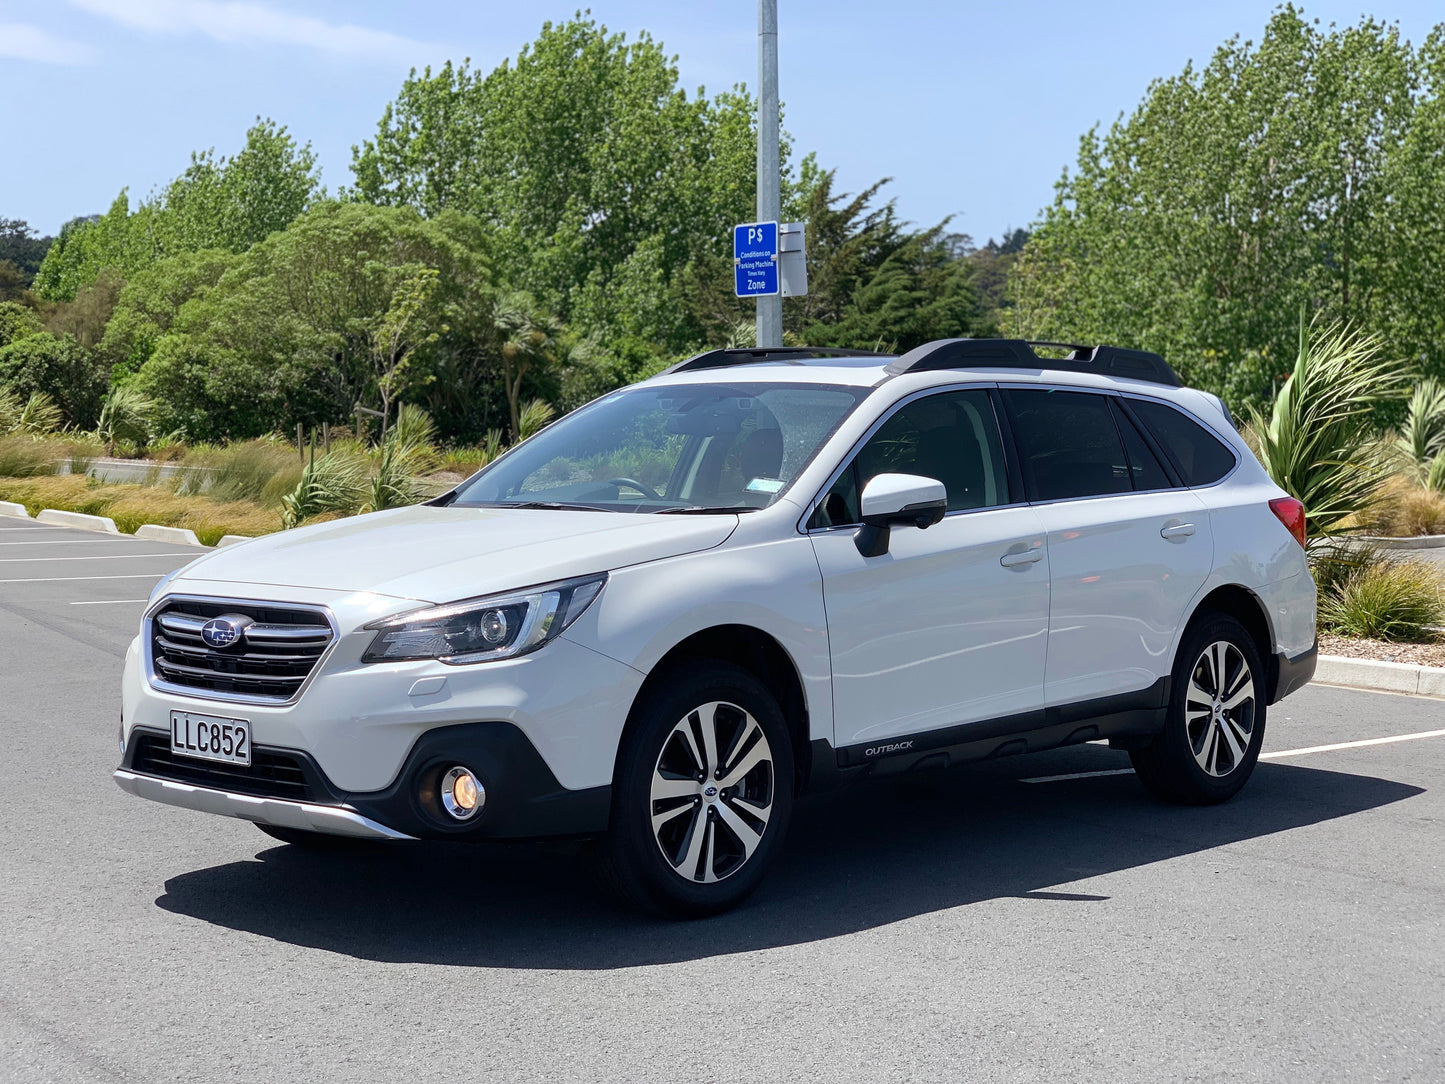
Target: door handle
1178	530
1017	560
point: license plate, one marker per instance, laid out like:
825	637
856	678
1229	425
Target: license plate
208	737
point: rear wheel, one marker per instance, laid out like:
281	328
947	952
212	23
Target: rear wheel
1215	722
702	794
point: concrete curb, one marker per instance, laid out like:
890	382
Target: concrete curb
77	519
1417	542
153	532
10	508
232	539
1393	677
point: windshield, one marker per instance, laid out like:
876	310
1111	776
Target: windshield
689	448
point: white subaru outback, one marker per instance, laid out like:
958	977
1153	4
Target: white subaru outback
763	572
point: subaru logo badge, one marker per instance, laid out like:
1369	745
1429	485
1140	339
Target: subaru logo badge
224	631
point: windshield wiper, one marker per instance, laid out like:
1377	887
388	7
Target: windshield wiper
562	506
704	510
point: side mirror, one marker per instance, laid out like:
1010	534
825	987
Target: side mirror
891	500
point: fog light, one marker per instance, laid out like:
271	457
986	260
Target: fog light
462	794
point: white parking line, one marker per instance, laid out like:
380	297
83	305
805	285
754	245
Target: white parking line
1352	744
1281	754
72	541
100	557
1077	775
85	579
113	602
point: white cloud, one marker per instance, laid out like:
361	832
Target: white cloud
24	42
240	22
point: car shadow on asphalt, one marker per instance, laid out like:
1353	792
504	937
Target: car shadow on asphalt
858	858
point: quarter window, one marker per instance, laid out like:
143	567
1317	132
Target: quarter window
1199	456
952	437
1144	467
1068	444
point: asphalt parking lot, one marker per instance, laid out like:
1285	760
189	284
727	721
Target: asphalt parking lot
1031	919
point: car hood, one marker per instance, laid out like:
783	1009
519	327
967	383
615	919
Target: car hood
442	554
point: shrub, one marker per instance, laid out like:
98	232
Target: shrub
1318	442
125	417
533	418
25	457
60	367
1421	442
38	415
334	483
1387	600
261	470
1404	509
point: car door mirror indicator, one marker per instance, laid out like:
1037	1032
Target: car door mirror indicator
897	500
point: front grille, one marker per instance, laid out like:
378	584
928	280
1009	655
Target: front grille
270	660
271	774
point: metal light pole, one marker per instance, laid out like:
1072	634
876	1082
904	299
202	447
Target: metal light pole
770	308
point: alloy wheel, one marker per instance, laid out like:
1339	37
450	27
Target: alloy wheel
712	792
1219	708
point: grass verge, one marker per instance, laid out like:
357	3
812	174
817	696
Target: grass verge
132	505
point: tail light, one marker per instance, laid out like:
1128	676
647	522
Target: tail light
1292	514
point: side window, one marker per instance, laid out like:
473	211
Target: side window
1144	466
952	437
1068	443
1200	457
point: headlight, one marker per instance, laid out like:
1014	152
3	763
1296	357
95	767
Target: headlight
483	629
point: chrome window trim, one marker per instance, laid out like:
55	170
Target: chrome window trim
811	507
156	682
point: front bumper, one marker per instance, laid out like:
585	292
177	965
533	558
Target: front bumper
288	788
332	820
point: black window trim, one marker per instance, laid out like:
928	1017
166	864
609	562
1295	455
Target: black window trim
1176	481
1015	481
1169	459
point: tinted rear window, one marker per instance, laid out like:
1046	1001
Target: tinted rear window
1069	444
1199	456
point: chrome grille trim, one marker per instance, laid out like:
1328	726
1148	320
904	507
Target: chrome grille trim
283	650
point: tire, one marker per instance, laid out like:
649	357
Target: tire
671	847
316	841
1209	744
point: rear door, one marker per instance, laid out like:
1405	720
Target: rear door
1128	546
948	626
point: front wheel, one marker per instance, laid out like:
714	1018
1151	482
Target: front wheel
1215	723
702	794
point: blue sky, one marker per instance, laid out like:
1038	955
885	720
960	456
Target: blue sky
973	109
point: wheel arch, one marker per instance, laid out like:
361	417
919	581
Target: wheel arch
760	654
1242	604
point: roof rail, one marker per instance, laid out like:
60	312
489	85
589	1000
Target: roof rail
1019	354
746	355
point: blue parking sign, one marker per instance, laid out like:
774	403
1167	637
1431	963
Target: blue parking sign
755	259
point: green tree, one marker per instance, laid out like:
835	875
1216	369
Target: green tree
17	321
225	203
599	178
286	334
397	333
59	367
1301	171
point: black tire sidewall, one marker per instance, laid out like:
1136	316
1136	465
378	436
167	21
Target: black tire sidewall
637	864
1168	766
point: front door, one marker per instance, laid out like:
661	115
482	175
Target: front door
949	626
